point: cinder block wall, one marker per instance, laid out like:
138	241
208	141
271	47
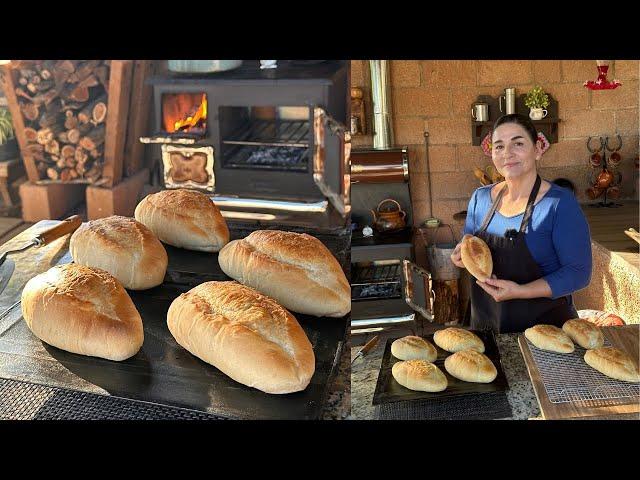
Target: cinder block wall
436	96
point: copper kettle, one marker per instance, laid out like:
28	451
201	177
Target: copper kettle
389	218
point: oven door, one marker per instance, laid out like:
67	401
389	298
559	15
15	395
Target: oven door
417	288
331	169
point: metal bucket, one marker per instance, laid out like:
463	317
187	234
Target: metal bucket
439	258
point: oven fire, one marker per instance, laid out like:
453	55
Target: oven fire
184	113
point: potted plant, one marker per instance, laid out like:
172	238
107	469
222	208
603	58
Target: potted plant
537	100
8	144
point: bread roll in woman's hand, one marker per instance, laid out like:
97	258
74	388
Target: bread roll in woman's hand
476	257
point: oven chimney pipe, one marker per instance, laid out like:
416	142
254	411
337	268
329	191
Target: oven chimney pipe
381	96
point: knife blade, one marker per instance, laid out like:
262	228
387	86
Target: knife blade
366	348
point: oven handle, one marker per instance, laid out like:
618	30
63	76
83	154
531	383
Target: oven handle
321	122
407	268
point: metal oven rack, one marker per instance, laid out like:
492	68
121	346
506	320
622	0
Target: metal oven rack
376	282
568	378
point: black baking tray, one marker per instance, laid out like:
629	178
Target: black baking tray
163	372
389	390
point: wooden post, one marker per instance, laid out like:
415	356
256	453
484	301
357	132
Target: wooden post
117	113
122	199
16	116
446	307
138	116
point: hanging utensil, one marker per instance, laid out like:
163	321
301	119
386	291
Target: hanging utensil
7	265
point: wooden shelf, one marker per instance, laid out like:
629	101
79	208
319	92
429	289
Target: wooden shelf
548	125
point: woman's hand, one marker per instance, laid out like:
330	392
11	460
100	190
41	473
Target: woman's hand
456	256
502	290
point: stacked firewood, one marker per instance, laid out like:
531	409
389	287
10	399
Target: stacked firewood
64	106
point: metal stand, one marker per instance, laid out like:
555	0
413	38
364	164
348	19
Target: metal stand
604	148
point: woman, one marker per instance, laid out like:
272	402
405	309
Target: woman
538	237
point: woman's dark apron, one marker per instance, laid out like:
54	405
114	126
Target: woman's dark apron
513	261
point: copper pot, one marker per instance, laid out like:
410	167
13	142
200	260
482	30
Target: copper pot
613	192
594	192
605	179
595	160
389	219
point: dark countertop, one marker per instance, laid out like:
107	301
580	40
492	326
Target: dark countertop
364	376
37	260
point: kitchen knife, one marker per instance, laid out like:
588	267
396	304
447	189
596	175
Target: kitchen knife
368	346
7	266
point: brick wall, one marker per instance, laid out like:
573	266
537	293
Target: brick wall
436	96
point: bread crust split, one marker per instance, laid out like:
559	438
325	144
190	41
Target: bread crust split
185	219
122	246
419	375
614	363
550	338
246	335
82	310
412	347
471	366
295	269
584	333
454	339
476	257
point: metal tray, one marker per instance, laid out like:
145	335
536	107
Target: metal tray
164	373
388	390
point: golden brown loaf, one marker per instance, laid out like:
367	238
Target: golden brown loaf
471	366
455	339
419	375
476	257
295	269
123	247
244	334
412	347
82	310
185	219
613	363
549	337
584	333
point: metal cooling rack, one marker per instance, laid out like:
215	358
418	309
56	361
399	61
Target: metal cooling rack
567	378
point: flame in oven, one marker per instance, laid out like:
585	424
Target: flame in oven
184	112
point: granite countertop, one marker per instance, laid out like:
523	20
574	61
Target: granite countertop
364	375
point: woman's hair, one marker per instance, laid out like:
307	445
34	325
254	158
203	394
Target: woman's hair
566	183
521	120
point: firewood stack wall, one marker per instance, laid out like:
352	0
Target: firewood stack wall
64	108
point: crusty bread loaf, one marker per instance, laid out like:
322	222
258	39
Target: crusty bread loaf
412	347
244	334
613	363
82	310
455	339
185	219
476	257
549	337
295	269
584	333
471	366
123	247
419	375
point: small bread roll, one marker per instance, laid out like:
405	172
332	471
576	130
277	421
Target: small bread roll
549	337
455	339
584	333
476	257
471	366
419	375
413	348
123	247
613	363
82	310
185	219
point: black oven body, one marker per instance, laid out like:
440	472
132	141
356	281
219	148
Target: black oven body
242	142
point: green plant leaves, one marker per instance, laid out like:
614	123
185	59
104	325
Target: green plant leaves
6	126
